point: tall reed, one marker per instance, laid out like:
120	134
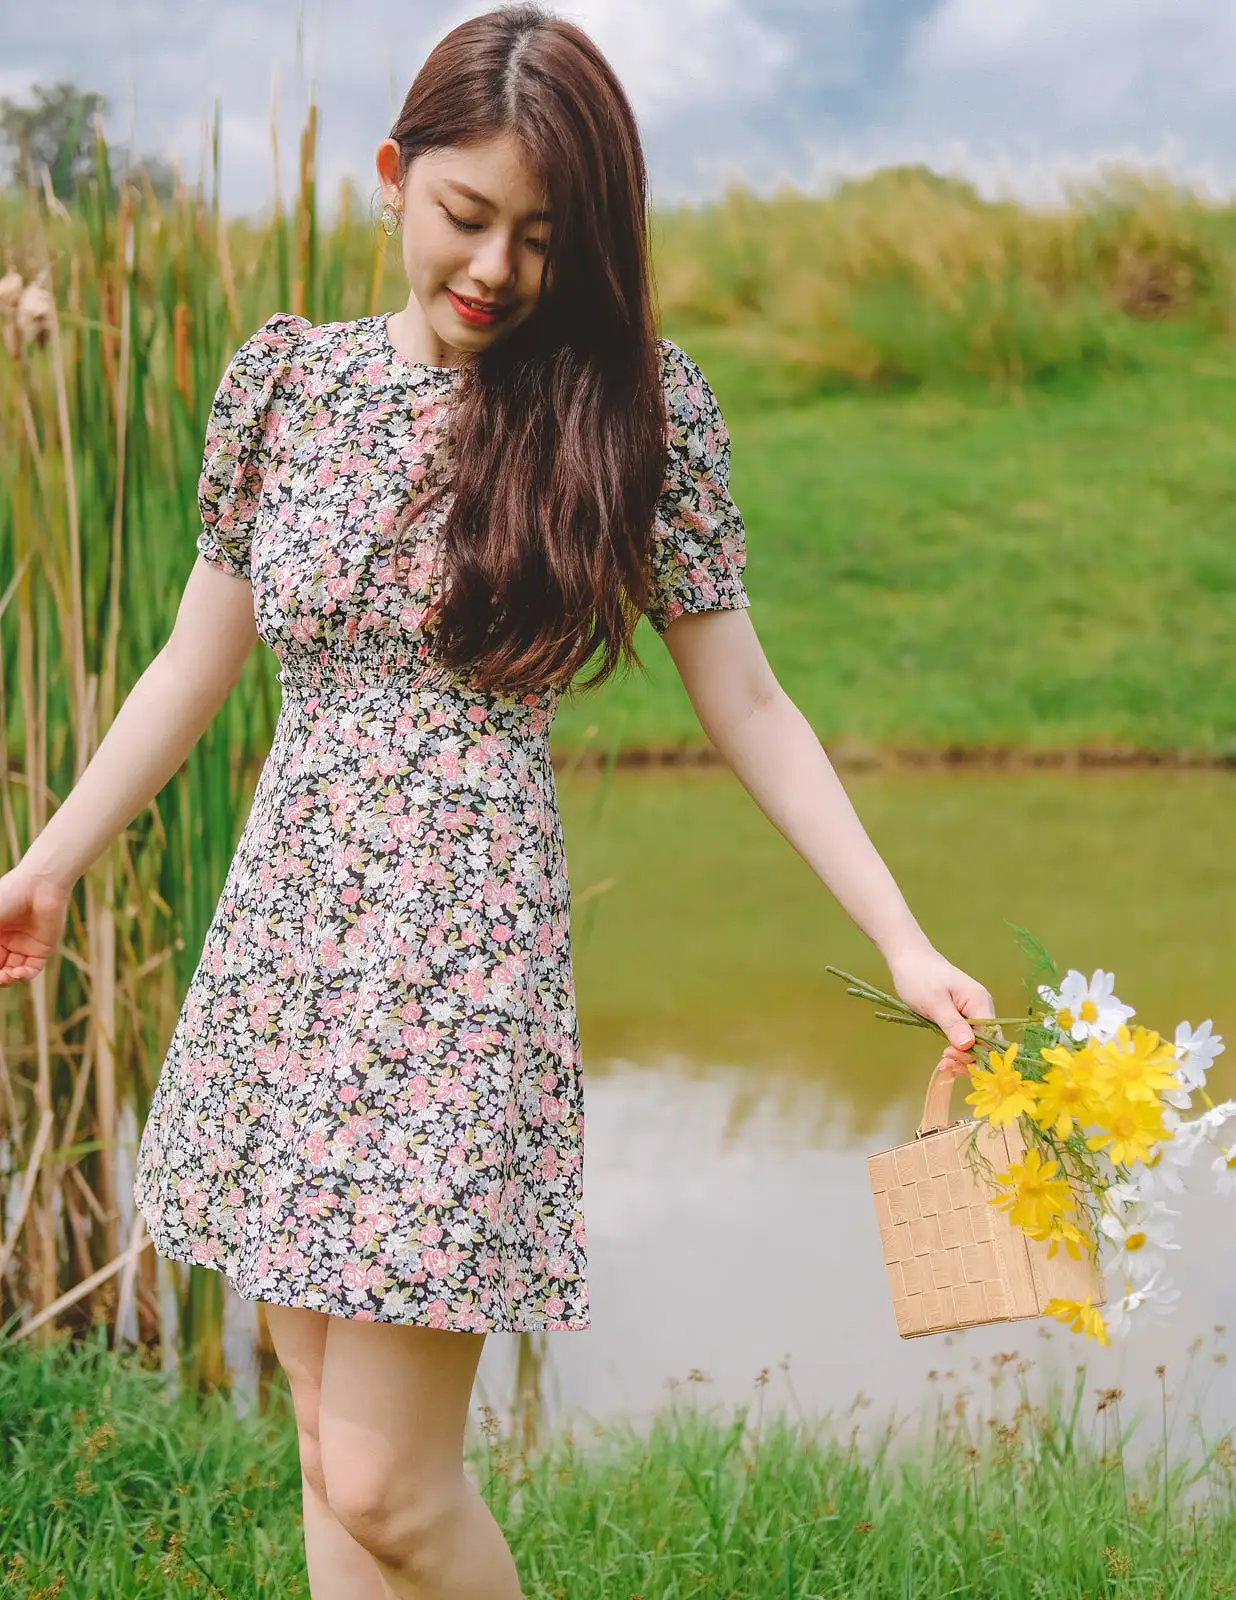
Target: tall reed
101	420
907	277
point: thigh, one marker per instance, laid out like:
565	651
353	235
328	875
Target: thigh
394	1407
299	1338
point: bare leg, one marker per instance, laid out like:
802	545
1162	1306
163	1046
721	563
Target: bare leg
393	1411
339	1568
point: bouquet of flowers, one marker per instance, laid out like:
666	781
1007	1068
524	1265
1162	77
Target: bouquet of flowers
1107	1112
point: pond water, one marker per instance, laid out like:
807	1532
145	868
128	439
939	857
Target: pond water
733	1090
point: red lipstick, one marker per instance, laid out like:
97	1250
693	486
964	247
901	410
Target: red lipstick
477	313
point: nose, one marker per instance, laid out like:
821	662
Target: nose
493	264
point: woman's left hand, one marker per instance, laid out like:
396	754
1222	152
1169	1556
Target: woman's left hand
937	989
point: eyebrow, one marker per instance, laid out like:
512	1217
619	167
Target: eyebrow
483	200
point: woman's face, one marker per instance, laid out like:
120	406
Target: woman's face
475	232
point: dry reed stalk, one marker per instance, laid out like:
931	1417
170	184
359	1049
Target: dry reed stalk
79	1291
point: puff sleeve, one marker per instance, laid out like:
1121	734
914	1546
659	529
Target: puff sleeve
238	432
698	540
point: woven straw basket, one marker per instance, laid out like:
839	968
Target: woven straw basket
953	1260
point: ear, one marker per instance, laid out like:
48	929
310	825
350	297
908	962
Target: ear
387	162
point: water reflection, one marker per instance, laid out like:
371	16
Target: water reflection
734	1091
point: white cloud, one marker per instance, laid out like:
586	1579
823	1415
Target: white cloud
1075	66
763	89
668	56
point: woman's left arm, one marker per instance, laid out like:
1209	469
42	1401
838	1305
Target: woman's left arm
776	756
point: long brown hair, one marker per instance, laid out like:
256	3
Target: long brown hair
557	435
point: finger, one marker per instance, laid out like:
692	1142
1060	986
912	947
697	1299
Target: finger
976	1002
956	1029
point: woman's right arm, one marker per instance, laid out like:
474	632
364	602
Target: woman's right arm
168	709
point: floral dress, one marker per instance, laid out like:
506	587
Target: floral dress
371	1103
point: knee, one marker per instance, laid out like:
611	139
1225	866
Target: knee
408	1526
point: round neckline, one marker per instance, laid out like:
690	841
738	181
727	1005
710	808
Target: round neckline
398	356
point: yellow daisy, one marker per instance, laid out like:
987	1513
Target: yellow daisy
1035	1195
1081	1316
1001	1094
1067	1093
1136	1063
1128	1129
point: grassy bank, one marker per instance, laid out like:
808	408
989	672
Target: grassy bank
110	1490
943	566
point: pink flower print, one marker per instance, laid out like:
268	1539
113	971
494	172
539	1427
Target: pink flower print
552	1109
354	1275
431	1234
362	1127
435	1314
350	895
502	933
235	1195
269	1059
348	1093
330	954
554	1306
315	1149
314	1205
448	765
296	1070
362	1233
418	1089
436	1263
477	714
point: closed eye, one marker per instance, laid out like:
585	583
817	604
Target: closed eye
458	222
539	245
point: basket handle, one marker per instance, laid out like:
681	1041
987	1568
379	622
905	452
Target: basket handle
939	1099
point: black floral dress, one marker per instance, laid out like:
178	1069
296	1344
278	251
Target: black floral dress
371	1103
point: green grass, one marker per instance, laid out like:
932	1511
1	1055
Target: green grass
955	566
111	1490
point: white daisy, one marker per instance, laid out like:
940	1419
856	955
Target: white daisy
1191	1132
1140	1234
1155	1295
1196	1049
1084	1009
1224	1168
1162	1174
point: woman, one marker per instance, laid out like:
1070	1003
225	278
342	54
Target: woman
370	1115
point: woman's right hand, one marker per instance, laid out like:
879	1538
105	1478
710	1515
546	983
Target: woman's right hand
33	911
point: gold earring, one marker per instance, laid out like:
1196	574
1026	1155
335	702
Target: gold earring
390	219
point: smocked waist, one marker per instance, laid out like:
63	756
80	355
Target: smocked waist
396	675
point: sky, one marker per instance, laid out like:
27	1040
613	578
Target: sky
1018	95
